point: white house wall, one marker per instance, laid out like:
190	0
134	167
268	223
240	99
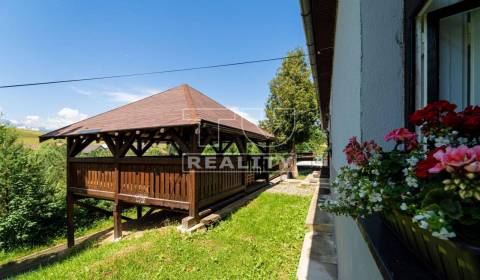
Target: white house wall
367	101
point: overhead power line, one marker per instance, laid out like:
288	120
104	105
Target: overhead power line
148	73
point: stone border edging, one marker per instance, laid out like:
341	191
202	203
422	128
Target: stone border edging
318	256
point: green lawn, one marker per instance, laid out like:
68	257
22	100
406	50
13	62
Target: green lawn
9	256
302	174
94	227
262	240
28	137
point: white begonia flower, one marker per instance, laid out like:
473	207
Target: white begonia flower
376	197
429	214
405	172
443	234
403	206
411	181
423	225
418	218
412	161
462	140
441	141
375	172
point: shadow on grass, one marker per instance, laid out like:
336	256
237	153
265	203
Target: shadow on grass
60	253
157	219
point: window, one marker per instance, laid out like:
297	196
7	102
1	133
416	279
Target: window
448	44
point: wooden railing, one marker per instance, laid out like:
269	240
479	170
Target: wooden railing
220	183
154	181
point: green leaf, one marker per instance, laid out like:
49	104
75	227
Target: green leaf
451	208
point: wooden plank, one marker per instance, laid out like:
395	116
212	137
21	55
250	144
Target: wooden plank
219	196
171	184
178	181
98	209
92	193
153	201
182	186
128	180
160	160
161	175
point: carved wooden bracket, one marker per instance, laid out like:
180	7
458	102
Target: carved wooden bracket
78	144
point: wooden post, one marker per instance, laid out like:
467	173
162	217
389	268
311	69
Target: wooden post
242	148
70	200
139	212
266	161
117	209
70	224
193	190
117	220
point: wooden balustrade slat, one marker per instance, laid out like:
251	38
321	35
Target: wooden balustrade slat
159	181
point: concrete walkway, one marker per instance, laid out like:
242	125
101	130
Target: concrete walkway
305	187
318	259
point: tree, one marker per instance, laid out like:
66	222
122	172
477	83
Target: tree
26	202
291	109
316	143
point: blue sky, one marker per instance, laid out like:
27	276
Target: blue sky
50	40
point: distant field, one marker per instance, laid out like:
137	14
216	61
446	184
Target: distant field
28	137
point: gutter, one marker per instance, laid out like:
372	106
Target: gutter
312	52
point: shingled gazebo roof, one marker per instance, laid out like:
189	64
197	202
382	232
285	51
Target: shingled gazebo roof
178	106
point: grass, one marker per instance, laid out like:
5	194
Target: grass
98	225
302	174
262	240
28	137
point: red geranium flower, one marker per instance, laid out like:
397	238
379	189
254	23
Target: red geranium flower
360	153
469	121
451	119
433	114
421	170
422	167
403	135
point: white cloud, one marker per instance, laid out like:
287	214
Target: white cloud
82	91
63	117
123	97
252	114
31	120
118	95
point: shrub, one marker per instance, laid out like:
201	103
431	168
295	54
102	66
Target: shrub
32	193
27	204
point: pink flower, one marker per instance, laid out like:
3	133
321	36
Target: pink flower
400	135
403	135
477	151
359	154
454	158
474	167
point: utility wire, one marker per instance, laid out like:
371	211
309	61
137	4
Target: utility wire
150	73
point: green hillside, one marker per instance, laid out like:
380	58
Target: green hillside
28	137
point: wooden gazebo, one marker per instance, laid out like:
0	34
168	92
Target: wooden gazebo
186	119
